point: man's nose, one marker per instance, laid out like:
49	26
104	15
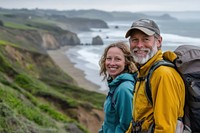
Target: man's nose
140	44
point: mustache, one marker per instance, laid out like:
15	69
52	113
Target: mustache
141	49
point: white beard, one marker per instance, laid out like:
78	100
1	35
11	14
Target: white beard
150	54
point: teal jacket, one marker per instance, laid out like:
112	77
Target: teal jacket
118	115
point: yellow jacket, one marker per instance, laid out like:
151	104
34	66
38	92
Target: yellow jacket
168	95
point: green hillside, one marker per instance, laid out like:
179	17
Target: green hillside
33	98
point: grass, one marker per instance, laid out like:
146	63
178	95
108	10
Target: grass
42	100
18	26
2	42
22	106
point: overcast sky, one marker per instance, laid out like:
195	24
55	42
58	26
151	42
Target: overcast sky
107	5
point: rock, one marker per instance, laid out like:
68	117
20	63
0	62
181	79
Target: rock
116	27
97	40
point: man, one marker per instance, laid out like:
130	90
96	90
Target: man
167	86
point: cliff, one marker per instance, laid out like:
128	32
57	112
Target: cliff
33	98
41	40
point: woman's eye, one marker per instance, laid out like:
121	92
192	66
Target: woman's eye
108	58
117	59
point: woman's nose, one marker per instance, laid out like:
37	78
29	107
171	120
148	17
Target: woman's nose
112	62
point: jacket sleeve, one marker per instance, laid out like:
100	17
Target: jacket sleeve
168	99
124	97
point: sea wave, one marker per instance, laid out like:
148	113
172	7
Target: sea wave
87	57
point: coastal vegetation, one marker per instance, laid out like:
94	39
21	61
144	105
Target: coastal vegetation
33	98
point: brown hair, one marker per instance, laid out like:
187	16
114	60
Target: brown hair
130	65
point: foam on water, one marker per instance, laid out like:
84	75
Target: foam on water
89	55
177	40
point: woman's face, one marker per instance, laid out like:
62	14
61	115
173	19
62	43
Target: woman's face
115	62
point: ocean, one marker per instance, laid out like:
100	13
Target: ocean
87	57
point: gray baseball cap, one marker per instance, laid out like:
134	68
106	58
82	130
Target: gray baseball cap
147	26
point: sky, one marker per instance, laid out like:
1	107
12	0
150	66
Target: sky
106	5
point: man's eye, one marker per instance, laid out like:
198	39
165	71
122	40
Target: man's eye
133	40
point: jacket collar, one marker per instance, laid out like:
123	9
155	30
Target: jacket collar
119	79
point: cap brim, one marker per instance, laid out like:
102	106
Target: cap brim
145	30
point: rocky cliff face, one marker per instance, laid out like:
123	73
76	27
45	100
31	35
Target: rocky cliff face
68	39
52	41
49	41
39	39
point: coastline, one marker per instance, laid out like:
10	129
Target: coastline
59	57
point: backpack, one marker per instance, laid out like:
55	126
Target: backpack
187	64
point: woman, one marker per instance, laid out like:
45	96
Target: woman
117	66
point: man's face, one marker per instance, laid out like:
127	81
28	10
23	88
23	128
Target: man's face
143	47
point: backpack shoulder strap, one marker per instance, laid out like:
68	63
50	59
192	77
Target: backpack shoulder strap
151	70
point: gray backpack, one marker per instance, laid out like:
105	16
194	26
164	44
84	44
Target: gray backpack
187	64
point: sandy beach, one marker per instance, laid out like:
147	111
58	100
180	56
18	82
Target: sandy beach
67	66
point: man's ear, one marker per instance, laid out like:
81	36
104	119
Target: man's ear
159	42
